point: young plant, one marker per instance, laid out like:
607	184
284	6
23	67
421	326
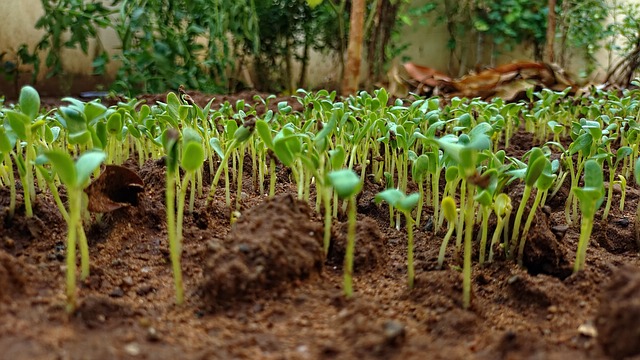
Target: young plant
170	139
464	151
537	162
75	176
23	123
502	208
622	153
590	197
404	203
347	185
451	214
542	184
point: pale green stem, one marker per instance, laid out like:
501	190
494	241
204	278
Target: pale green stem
174	244
351	239
527	224
468	236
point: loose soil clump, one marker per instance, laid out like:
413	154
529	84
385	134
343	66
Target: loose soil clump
272	244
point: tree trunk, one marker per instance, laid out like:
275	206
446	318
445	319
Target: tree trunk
549	53
354	51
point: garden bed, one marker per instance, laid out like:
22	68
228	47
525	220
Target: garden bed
262	288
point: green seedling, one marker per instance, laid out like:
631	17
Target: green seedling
622	181
542	184
405	204
590	197
347	185
24	124
502	208
465	152
451	214
621	154
75	176
537	162
170	143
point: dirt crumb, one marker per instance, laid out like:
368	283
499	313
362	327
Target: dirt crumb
272	244
618	319
11	279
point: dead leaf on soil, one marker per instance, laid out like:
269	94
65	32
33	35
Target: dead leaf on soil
508	81
116	187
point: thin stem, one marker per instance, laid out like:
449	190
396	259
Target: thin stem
174	244
351	239
410	269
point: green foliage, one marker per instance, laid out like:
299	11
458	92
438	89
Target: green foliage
162	45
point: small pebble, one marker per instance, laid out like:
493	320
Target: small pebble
9	242
559	230
623	222
144	290
132	349
127	280
152	334
394	332
117	292
552	309
588	330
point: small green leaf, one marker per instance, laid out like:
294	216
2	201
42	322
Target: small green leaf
407	203
86	165
390	196
191	135
62	164
337	157
192	156
264	131
18	122
217	147
29	102
114	124
345	182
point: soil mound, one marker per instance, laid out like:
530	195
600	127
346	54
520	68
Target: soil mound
369	250
272	244
618	318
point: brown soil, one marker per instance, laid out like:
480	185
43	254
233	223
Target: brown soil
262	289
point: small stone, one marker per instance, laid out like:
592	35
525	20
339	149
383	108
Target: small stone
552	309
546	209
9	243
117	292
394	332
144	322
588	330
623	222
513	279
132	349
144	290
101	318
559	230
152	334
127	280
